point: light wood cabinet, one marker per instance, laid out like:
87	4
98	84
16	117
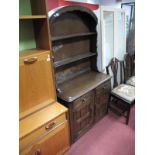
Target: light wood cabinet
55	142
33	25
48	135
36	78
43	122
36	87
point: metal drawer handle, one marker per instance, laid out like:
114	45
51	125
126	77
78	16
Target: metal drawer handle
30	60
50	125
37	152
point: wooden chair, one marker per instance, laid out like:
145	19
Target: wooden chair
129	69
121	93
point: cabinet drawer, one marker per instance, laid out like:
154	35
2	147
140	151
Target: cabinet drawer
83	101
55	142
51	125
106	87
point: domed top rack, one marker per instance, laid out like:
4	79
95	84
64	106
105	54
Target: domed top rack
74	45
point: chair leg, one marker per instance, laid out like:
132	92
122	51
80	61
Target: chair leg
128	115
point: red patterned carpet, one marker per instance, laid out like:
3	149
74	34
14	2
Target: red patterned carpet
110	136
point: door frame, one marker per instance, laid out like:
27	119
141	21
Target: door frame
102	32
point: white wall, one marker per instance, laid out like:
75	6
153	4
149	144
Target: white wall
99	42
114	3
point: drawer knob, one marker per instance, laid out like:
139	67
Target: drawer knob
83	100
50	125
30	60
37	152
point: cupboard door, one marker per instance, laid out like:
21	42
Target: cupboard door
101	102
36	87
55	142
82	115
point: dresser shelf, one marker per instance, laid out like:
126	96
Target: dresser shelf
73	36
73	59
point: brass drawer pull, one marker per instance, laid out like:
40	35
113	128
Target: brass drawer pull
30	60
50	125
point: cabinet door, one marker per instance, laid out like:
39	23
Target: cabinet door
82	115
36	87
54	143
101	102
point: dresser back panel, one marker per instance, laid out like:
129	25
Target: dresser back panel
70	48
68	72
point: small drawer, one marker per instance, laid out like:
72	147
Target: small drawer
106	86
43	130
55	142
84	100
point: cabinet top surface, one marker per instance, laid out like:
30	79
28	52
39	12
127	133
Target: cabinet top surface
32	52
33	17
82	84
36	120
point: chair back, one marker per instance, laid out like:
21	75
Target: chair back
114	69
133	64
128	66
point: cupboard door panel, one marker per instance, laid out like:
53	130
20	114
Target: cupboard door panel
101	102
54	143
82	114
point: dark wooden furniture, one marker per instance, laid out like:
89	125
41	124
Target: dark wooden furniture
79	85
122	95
87	99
